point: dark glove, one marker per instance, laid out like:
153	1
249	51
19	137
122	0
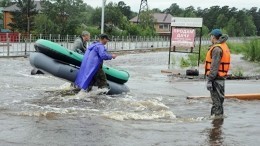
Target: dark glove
209	86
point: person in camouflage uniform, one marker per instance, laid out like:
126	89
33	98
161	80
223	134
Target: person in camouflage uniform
100	80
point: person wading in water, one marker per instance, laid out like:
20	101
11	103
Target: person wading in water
216	68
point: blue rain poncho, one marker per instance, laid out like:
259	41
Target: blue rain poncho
92	61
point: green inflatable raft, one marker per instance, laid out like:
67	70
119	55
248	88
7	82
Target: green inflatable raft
67	56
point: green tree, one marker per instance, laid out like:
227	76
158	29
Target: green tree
146	19
43	25
249	28
113	15
199	12
157	10
231	27
96	17
26	10
205	30
235	22
210	16
125	10
174	10
258	22
225	11
221	21
189	12
85	16
246	24
138	30
124	23
64	13
256	18
134	29
5	3
115	20
148	31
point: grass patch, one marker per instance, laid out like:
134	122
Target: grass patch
252	50
236	48
193	58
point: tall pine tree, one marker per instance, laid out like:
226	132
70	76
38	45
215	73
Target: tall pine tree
22	20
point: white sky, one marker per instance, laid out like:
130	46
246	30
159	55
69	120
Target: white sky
163	4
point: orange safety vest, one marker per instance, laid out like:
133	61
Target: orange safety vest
224	63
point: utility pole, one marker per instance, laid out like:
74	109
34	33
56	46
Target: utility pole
103	15
28	16
143	7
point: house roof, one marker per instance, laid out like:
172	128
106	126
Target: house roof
14	7
159	18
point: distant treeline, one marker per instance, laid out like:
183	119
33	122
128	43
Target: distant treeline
73	16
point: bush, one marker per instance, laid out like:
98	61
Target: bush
137	30
203	53
193	59
184	62
252	50
91	29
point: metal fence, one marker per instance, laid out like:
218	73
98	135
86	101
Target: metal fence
21	45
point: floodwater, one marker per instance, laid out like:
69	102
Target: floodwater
41	110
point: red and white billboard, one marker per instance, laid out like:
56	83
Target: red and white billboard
183	37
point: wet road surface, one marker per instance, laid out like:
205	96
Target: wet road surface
41	110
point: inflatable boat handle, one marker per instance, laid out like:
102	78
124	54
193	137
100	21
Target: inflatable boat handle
71	53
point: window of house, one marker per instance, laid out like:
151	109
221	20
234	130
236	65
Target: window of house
161	26
166	26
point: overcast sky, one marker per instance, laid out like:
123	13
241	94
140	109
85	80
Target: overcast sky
163	4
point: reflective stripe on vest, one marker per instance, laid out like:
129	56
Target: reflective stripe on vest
224	63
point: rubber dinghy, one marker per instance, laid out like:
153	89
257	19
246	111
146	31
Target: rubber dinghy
55	67
63	54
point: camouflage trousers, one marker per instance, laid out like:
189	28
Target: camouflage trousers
217	96
99	80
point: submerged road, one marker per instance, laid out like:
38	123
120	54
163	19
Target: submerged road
40	110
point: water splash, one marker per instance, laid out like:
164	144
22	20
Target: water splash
132	109
120	107
124	115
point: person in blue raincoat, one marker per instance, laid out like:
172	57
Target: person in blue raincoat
90	71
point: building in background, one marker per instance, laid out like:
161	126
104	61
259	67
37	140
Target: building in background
162	23
8	16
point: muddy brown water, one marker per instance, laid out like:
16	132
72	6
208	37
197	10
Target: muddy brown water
41	110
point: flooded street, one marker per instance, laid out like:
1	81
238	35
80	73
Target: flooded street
41	110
